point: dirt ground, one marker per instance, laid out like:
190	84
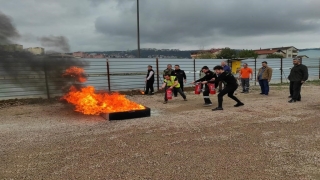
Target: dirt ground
268	138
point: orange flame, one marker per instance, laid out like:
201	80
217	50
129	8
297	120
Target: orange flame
88	102
76	72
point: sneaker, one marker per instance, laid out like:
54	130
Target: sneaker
292	101
165	102
207	104
217	109
238	104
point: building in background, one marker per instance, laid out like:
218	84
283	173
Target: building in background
11	47
79	54
36	50
263	53
290	51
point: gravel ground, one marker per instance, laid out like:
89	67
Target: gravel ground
267	138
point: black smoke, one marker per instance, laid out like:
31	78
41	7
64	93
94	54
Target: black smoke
7	30
19	68
56	43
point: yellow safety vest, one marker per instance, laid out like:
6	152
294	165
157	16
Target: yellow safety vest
171	82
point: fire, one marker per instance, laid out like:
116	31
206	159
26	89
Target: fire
87	101
77	73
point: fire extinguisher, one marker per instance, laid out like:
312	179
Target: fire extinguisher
197	89
212	88
169	93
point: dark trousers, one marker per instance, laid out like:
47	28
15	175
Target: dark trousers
206	96
295	90
230	91
220	85
175	92
264	85
149	85
245	83
174	89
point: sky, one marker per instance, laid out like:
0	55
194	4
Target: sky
105	25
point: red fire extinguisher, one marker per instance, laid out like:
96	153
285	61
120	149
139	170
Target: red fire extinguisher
212	88
169	93
197	89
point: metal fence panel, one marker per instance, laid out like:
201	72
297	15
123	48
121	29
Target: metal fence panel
124	74
313	67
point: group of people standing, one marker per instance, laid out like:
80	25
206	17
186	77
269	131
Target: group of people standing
223	78
172	78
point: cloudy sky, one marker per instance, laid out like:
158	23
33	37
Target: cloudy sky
92	25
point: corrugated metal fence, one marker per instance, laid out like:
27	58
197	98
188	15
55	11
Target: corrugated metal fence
120	74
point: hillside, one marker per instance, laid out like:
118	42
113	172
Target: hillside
148	53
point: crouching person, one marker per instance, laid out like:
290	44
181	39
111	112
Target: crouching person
171	82
231	86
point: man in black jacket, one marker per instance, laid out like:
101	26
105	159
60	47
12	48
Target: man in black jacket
181	76
149	81
231	86
298	75
209	75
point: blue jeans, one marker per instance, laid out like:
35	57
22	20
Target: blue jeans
264	85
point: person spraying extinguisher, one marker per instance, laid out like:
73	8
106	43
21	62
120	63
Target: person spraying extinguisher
230	88
208	76
169	83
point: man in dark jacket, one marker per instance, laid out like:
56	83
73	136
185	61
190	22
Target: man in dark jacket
298	75
226	68
181	76
231	86
209	75
149	81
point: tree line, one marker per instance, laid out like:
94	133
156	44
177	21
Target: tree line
228	53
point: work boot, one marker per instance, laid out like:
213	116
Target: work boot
207	104
238	104
292	101
217	109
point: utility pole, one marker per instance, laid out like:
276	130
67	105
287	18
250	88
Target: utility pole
138	29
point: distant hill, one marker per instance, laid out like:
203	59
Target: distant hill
306	49
161	53
149	53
